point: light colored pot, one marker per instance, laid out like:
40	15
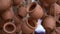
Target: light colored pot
28	26
35	10
9	27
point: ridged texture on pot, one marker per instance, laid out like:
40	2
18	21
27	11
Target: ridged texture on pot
8	14
35	10
17	2
22	11
4	4
49	23
9	27
54	9
58	2
28	26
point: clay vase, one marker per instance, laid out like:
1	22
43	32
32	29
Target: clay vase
8	14
54	9
58	2
35	10
22	13
9	27
28	26
5	4
17	2
49	23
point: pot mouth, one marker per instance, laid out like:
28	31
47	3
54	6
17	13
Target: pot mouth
32	6
9	27
58	19
31	23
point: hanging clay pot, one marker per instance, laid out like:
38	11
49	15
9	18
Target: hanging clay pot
22	11
58	2
8	14
4	4
35	10
49	23
54	9
28	26
17	2
9	27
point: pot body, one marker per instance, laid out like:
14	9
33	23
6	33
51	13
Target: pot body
49	23
5	4
35	10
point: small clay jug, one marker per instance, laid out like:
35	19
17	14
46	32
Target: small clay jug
54	9
8	14
35	10
9	27
17	2
22	11
58	2
28	26
5	4
49	23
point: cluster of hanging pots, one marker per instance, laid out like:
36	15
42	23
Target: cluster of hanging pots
16	17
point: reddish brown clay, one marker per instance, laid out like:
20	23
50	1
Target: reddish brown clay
17	2
9	27
49	23
22	11
8	14
5	4
28	26
54	9
35	11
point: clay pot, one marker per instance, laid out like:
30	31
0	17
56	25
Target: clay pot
58	19
17	23
54	9
49	23
28	26
35	10
8	14
58	2
5	4
17	2
22	13
9	27
57	30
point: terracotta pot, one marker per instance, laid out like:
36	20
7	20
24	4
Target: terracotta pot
49	23
17	2
22	13
8	14
28	26
35	10
54	9
9	27
58	19
57	30
17	23
58	2
5	4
